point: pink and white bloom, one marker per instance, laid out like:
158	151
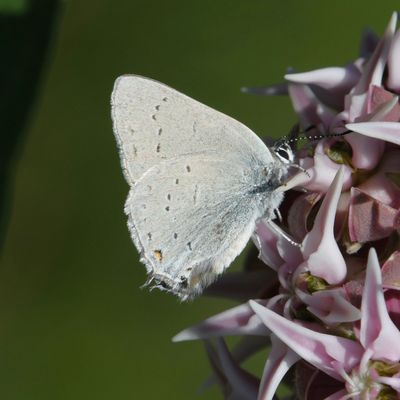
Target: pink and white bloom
321	301
367	366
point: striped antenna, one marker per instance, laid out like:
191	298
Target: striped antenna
303	135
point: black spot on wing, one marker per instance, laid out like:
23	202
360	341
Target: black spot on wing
195	194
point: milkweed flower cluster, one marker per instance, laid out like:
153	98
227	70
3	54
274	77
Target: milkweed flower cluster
329	308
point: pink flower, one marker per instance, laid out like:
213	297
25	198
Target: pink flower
367	366
320	300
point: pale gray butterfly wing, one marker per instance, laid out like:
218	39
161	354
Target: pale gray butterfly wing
153	122
199	181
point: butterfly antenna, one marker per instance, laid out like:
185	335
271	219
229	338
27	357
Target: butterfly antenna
295	135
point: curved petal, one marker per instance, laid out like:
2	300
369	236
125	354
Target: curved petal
319	349
367	151
321	171
321	252
393	382
330	85
369	218
328	78
393	81
330	306
385	44
298	213
382	105
373	72
246	347
377	331
308	107
381	188
237	383
382	130
392	301
280	359
270	90
238	320
391	271
266	240
369	41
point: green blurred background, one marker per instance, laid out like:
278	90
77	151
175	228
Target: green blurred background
73	322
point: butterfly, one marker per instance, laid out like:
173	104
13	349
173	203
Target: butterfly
199	182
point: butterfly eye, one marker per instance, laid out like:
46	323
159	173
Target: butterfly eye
284	152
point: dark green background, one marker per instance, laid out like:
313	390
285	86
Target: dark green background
73	322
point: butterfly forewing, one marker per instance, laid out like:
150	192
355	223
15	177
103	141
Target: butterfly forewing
153	122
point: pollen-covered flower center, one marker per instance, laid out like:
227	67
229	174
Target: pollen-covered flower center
340	152
367	384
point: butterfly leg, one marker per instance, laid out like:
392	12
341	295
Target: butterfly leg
282	233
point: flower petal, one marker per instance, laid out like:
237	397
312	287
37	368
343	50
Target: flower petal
383	52
308	107
321	171
235	381
382	130
391	271
279	361
369	41
392	301
330	306
372	74
239	320
328	78
382	105
382	185
367	151
321	252
319	349
392	381
329	84
377	331
270	90
266	240
298	213
246	347
370	219
393	81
